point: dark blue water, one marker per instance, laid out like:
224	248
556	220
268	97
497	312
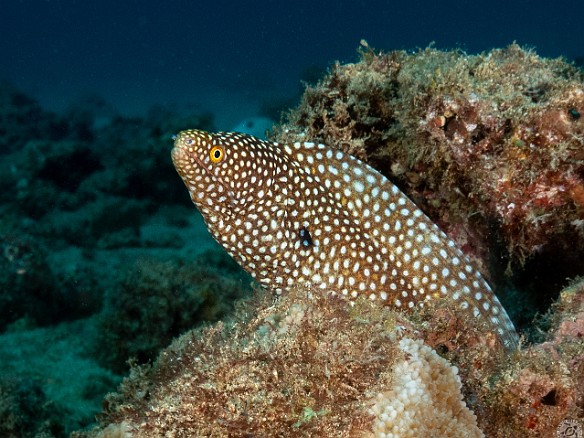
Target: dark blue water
231	57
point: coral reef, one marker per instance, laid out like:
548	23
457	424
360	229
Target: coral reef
310	365
465	137
22	119
66	189
423	382
173	294
92	237
543	385
49	381
305	365
24	410
27	285
489	146
102	258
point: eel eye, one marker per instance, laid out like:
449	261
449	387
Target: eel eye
216	154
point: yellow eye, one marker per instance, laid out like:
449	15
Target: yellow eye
216	154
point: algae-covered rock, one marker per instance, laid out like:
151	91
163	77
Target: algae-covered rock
306	364
497	135
25	411
157	300
541	389
490	146
28	288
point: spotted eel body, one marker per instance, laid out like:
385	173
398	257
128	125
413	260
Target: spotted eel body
307	214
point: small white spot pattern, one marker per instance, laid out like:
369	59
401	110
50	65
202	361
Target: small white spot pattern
368	238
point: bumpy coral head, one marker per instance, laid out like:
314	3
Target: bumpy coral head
220	170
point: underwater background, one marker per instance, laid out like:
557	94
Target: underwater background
103	258
238	60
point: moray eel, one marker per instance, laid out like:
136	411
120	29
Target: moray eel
305	213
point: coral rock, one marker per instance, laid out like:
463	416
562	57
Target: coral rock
425	399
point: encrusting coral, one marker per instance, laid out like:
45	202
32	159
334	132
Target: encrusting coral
423	382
